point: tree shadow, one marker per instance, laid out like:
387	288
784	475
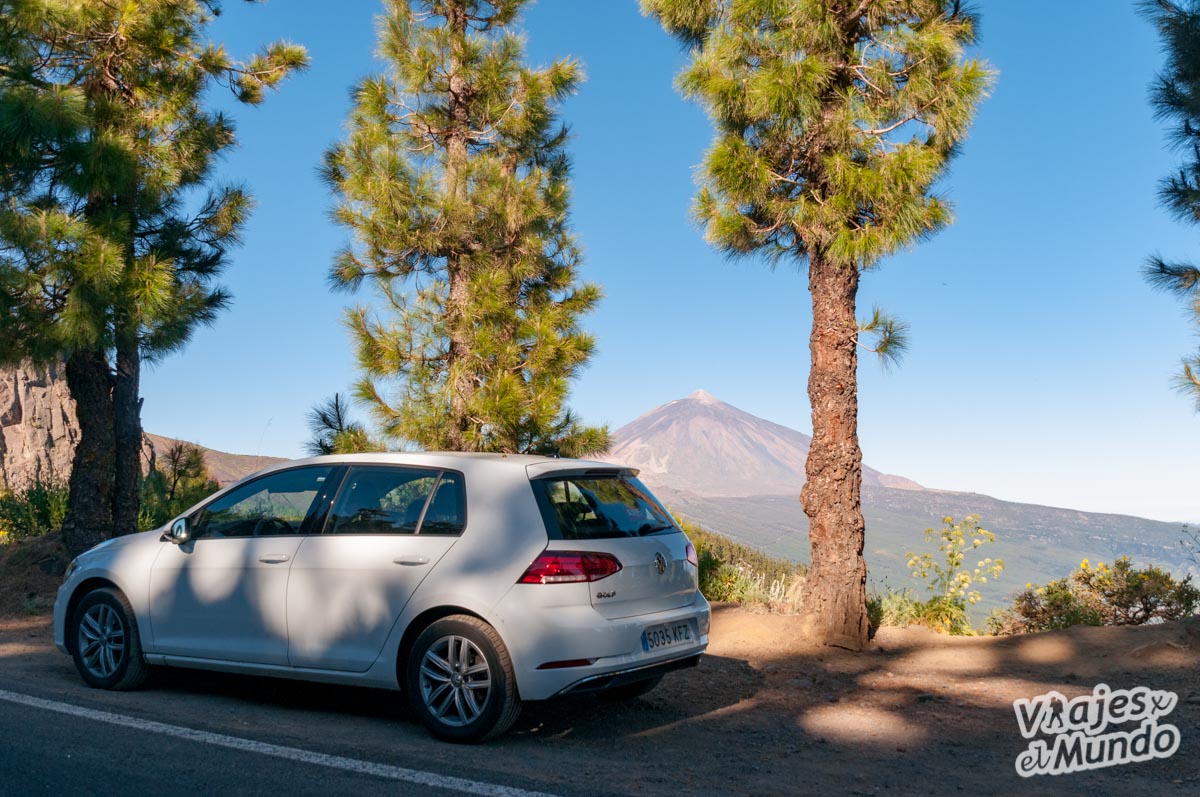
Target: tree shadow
915	713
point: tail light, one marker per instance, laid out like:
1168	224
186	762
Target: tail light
693	560
562	567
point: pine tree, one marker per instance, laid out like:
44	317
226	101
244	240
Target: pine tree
334	432
454	181
181	482
1176	98
834	120
112	230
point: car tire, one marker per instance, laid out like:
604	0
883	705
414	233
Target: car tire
106	645
445	676
631	691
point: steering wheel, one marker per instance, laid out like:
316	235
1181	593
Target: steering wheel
262	526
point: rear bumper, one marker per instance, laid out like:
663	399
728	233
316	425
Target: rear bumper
539	634
601	683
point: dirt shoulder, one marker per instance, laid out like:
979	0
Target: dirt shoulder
30	572
764	714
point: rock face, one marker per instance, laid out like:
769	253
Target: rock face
38	430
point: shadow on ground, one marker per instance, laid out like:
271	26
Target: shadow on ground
763	714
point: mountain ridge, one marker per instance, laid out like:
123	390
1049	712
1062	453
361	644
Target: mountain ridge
1038	542
701	443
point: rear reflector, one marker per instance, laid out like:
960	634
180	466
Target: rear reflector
562	567
558	665
691	556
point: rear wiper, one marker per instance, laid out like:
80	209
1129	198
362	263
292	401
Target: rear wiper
650	528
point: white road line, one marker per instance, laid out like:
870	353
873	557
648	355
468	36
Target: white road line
278	751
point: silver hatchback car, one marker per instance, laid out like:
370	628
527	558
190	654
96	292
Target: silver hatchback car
471	582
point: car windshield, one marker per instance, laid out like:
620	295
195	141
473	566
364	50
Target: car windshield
596	507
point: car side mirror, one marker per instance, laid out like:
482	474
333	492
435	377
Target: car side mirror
181	531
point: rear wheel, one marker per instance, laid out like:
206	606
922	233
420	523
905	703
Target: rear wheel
106	645
631	691
459	680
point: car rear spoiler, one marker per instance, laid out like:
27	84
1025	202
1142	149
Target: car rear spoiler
542	470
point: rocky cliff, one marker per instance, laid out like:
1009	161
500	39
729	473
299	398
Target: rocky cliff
38	430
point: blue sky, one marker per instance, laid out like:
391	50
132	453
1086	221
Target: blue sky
1040	361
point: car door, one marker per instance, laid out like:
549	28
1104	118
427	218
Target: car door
222	595
389	527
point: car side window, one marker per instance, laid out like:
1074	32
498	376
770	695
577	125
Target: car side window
273	505
446	513
392	500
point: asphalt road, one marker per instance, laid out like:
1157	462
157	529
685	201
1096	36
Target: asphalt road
210	733
55	747
46	752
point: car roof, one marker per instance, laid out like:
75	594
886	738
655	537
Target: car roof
467	462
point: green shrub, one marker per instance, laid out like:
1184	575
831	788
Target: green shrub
1101	595
721	581
39	509
891	608
730	571
901	608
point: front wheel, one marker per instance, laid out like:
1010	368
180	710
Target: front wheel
459	680
107	647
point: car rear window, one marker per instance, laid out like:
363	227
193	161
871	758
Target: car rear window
598	507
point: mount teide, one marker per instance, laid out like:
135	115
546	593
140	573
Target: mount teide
703	445
740	475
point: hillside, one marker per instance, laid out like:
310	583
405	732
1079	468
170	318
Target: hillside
226	468
704	458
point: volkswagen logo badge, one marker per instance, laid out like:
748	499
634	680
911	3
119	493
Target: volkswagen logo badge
660	564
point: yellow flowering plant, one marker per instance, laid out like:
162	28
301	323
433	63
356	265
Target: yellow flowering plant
944	574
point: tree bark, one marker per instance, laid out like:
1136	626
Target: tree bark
127	425
89	518
458	276
835	597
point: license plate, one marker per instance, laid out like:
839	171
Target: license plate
657	637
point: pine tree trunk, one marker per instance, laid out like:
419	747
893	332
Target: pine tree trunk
128	430
834	598
89	517
458	320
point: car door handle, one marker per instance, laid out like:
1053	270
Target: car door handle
274	558
411	560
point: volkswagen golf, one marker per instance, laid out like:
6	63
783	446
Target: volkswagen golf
471	582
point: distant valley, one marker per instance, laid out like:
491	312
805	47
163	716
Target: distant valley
740	475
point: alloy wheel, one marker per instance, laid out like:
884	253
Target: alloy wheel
101	640
455	680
